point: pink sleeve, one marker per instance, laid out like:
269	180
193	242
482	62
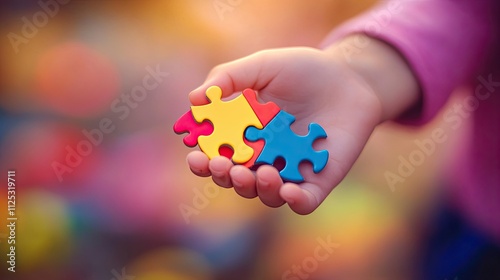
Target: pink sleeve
443	41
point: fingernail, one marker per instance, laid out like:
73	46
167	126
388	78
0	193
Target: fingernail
235	173
197	89
218	173
288	200
190	95
237	184
263	184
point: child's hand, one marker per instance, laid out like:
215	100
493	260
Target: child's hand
315	86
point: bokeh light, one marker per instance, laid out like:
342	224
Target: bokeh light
75	80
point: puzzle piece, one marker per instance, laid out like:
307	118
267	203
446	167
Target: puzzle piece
230	119
265	112
281	141
187	123
249	132
257	147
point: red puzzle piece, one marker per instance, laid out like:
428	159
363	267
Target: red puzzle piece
265	112
226	151
257	149
187	123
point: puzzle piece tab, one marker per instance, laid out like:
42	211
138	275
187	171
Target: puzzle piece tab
265	112
281	141
229	119
187	123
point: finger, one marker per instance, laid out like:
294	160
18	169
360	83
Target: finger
198	163
248	72
219	167
268	186
243	181
302	199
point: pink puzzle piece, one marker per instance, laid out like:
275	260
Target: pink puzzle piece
187	123
265	112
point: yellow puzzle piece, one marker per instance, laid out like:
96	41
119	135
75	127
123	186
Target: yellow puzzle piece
230	119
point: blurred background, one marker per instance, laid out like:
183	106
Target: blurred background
89	91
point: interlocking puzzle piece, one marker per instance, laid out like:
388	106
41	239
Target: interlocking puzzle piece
230	119
187	123
281	141
257	147
265	112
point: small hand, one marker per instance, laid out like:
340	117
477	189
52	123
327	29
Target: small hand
314	86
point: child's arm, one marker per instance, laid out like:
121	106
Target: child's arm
444	42
348	100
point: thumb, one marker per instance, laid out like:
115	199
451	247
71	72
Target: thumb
248	72
303	199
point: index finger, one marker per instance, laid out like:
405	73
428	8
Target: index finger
231	77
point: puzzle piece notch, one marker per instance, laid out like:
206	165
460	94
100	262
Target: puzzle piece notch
265	112
281	141
226	151
257	147
187	124
229	119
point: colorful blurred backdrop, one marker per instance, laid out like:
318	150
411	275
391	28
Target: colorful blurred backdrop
89	91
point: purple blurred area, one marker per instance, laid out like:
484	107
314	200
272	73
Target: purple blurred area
89	93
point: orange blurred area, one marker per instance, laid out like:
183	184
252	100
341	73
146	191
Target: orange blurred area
75	80
88	99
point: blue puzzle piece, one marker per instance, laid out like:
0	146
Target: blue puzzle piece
281	141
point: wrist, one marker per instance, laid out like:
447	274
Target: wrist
383	69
